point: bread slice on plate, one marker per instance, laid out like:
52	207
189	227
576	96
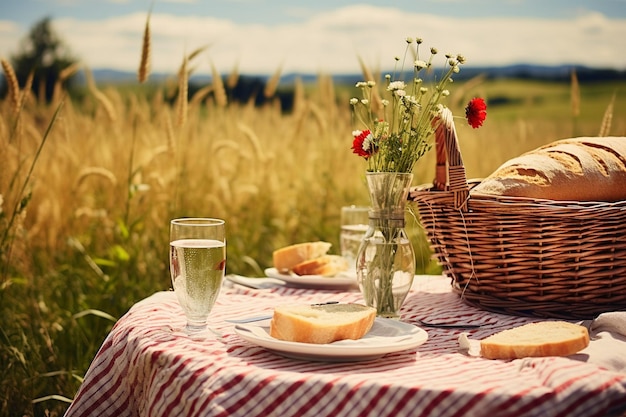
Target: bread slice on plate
546	338
289	256
327	266
321	324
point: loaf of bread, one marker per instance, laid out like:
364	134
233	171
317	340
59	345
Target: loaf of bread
578	169
326	265
320	324
289	256
547	338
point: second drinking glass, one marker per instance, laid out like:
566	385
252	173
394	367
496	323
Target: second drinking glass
354	223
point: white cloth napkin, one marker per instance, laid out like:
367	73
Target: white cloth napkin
607	347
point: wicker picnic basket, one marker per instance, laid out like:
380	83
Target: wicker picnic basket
522	256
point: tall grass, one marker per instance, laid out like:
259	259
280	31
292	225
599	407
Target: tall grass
85	232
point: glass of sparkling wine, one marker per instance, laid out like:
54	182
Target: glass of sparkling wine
354	223
197	264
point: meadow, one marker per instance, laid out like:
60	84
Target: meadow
88	185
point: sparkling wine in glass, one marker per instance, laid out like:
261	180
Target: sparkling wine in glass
197	264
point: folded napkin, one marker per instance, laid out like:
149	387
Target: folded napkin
607	347
613	322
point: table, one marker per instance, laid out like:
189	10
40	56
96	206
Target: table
144	369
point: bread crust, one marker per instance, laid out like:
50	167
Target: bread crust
321	324
550	338
576	169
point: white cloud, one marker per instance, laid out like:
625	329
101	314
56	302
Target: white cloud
9	38
330	42
180	1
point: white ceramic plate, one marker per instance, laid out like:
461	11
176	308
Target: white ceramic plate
386	336
344	279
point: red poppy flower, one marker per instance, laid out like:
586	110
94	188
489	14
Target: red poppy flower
476	112
362	144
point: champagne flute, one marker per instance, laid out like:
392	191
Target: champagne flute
197	264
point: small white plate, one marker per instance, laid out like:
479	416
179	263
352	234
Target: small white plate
386	336
344	279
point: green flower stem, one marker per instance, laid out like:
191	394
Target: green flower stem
386	304
386	254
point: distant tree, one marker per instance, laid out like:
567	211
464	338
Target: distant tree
44	54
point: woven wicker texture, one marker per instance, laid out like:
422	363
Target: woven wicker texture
523	256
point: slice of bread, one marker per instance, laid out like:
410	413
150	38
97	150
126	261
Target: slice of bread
327	265
321	324
547	338
289	256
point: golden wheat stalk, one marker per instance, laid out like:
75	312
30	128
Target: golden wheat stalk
48	213
56	92
328	95
190	69
461	93
91	84
377	102
12	85
197	52
5	137
218	88
183	91
68	71
64	74
104	101
155	153
367	74
607	119
224	144
27	90
32	131
106	104
100	97
144	62
200	95
169	131
224	185
300	118
318	116
299	99
95	172
157	99
253	139
233	77
575	94
272	83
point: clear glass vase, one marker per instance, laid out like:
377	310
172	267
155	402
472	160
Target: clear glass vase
386	261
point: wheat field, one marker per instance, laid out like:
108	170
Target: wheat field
88	186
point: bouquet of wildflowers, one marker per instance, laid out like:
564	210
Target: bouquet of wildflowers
398	125
396	128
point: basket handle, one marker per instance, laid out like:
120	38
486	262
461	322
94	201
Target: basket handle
450	171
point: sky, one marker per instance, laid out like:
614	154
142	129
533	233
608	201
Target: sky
324	36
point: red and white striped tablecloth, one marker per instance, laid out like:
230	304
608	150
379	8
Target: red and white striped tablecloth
143	369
